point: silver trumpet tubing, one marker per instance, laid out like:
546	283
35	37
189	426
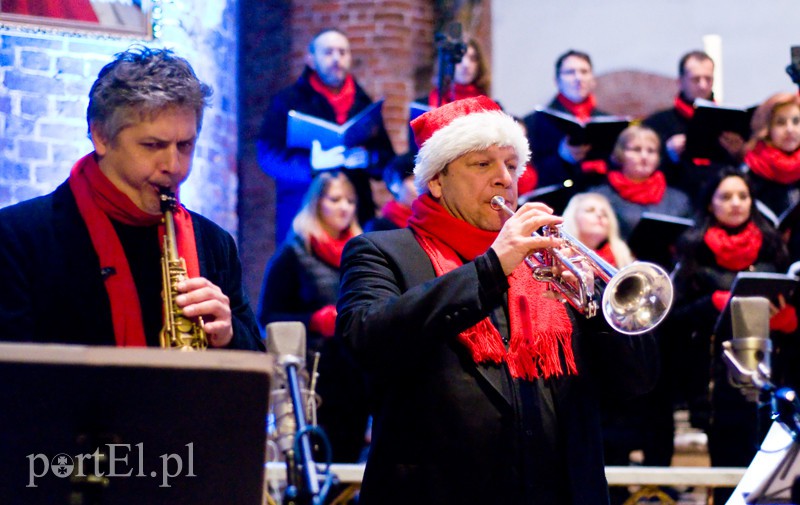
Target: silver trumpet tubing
635	298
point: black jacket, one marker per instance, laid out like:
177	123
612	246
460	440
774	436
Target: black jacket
449	431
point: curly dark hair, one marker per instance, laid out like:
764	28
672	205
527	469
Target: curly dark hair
140	82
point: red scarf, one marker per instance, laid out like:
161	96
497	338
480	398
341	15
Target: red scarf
540	326
99	201
456	92
773	164
684	108
329	249
396	213
647	192
341	101
734	252
583	110
604	251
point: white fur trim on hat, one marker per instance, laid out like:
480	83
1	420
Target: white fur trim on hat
473	132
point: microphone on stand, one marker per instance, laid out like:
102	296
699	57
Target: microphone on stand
747	354
287	341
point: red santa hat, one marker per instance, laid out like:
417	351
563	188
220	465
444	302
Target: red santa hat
452	130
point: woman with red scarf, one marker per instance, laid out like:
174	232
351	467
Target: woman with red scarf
638	186
301	283
728	239
590	218
773	154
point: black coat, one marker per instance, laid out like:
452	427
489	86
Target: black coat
52	286
449	431
291	167
734	431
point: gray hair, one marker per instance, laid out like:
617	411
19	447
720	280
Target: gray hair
139	83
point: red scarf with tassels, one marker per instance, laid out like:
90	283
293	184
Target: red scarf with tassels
734	251
396	213
773	164
329	249
647	192
539	325
341	101
456	92
99	201
583	110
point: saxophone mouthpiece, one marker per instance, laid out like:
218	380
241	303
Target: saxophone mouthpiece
168	200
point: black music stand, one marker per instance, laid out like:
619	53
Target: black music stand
185	427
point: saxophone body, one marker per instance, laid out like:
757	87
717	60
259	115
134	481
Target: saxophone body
179	332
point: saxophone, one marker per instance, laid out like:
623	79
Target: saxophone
179	332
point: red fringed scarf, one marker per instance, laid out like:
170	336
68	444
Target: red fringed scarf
329	249
684	109
456	92
583	110
396	213
605	252
539	325
341	101
99	201
773	164
734	252
647	192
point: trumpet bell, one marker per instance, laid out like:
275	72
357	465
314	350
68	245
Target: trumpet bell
637	298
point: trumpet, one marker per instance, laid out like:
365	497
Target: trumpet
635	299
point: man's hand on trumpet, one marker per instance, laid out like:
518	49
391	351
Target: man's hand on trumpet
516	241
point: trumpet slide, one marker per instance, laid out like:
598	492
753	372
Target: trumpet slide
635	299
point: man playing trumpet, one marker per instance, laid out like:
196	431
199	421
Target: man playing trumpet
82	264
486	389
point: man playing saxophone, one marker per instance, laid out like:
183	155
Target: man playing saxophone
487	390
83	264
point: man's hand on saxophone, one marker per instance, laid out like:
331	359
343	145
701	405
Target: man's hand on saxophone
201	297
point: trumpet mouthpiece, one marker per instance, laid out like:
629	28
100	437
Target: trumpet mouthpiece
498	202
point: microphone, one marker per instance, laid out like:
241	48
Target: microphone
287	341
747	354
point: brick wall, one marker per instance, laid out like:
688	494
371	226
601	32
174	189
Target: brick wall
45	77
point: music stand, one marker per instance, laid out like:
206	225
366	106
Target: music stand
160	426
771	474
